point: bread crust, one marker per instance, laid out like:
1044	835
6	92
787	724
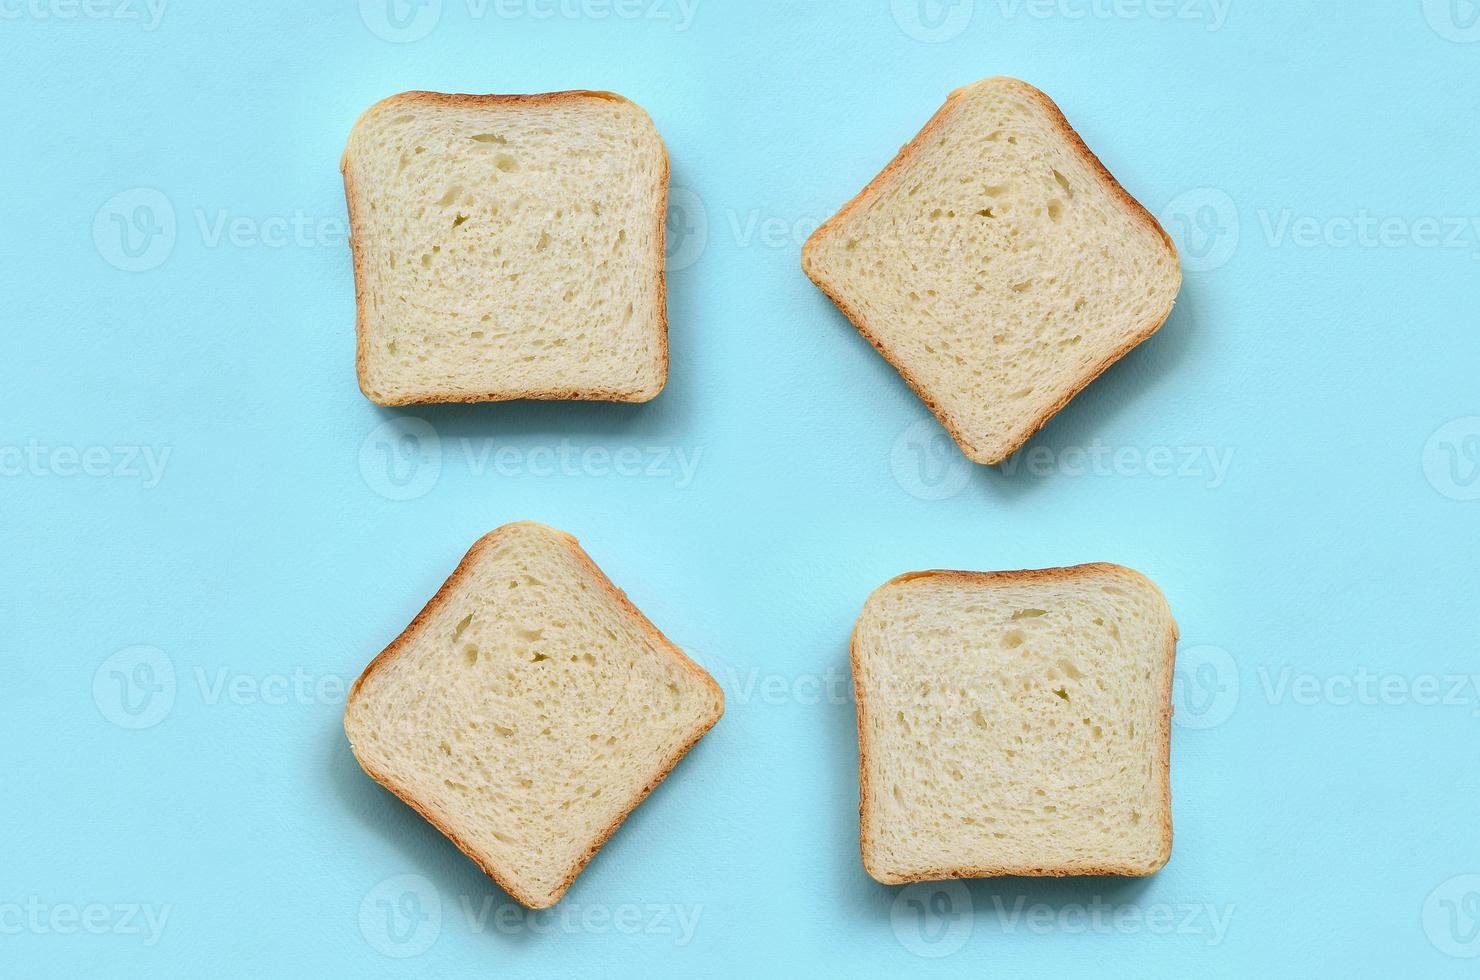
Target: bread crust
1164	757
346	167
1131	205
616	595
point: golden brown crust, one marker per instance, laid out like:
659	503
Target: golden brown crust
449	587
561	394
871	335
1164	758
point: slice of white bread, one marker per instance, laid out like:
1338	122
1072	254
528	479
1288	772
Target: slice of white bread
1014	723
508	246
997	265
528	709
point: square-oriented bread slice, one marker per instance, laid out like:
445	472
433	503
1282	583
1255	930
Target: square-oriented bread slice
997	265
528	709
1014	723
508	246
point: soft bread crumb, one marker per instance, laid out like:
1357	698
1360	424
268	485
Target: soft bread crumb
1014	723
997	265
528	709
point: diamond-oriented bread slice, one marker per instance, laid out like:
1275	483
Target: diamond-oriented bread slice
1014	723
528	709
997	265
508	246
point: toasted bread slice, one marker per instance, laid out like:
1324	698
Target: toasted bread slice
528	709
997	265
1014	723
508	246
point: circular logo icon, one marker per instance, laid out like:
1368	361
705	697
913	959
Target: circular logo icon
926	462
402	916
400	21
932	919
135	230
686	230
1454	20
1205	687
932	21
401	458
135	688
1205	225
1451	459
1451	917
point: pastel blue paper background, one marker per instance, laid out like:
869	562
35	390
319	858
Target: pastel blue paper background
1330	832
